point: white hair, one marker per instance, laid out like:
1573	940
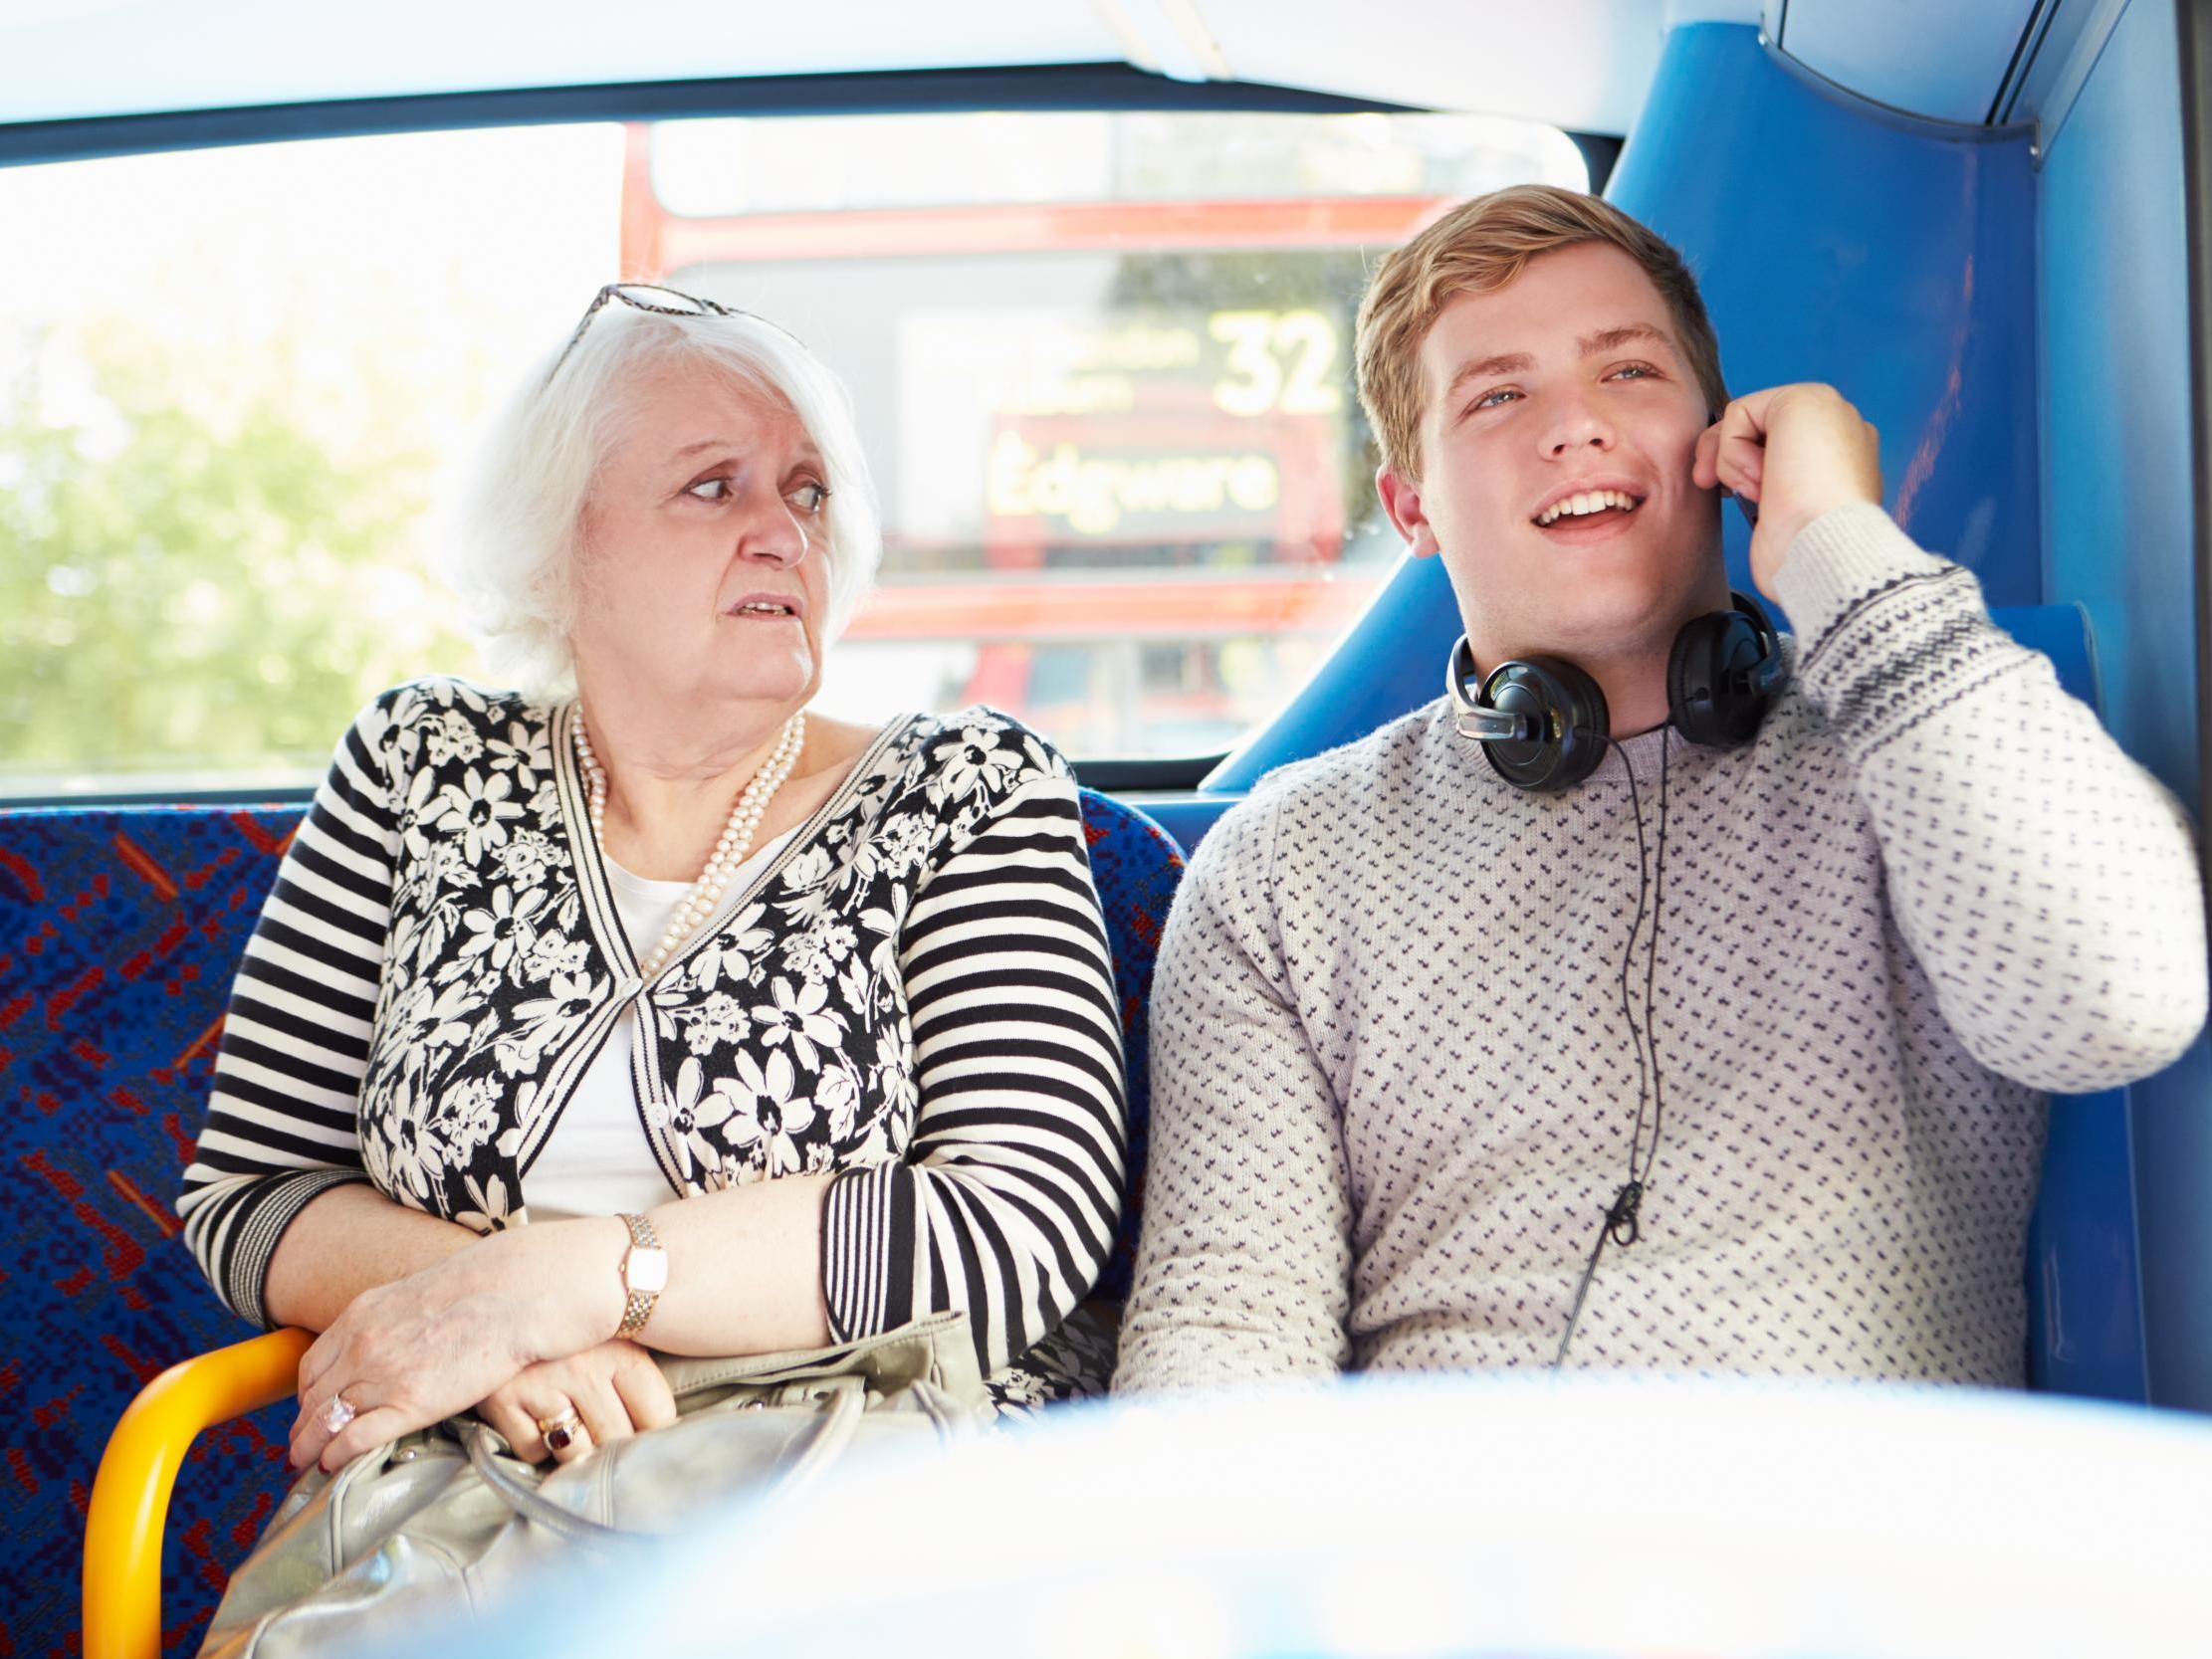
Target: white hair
516	526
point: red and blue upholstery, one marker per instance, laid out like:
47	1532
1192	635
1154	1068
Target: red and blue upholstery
1135	865
120	931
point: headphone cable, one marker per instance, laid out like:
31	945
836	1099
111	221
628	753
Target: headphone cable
1651	995
1621	1224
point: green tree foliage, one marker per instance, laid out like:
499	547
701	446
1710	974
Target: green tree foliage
187	593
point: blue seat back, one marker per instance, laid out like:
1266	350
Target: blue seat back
2085	1285
120	931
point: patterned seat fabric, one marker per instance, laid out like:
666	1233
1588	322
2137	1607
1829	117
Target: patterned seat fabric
1136	865
120	931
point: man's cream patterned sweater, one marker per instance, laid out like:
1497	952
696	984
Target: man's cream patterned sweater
1394	1088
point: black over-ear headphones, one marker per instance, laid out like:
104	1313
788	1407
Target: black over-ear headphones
1542	722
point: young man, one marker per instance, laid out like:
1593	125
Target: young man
1729	1059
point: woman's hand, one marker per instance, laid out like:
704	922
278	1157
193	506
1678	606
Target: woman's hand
411	1352
615	1389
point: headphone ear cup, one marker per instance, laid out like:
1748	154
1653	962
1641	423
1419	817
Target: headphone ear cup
1748	603
1702	698
1571	715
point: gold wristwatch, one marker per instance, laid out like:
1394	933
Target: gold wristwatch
644	1275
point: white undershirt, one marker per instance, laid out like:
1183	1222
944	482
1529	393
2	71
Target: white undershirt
596	1160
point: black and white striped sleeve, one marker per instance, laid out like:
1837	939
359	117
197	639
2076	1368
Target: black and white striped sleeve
1006	1203
281	1124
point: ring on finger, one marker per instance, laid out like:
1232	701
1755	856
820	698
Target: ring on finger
561	1429
338	1414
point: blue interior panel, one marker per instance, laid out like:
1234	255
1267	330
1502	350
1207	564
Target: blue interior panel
1893	260
1944	61
2119	522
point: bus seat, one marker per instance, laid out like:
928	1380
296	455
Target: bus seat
124	928
1187	818
1136	865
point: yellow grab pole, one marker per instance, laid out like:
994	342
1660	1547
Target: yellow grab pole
130	1495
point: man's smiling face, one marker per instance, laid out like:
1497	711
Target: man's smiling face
1560	415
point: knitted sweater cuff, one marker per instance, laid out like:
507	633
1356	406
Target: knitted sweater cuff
1839	561
1888	635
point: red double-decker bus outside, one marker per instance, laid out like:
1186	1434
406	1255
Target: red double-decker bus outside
1125	478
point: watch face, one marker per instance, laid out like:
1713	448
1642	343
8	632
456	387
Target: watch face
645	1272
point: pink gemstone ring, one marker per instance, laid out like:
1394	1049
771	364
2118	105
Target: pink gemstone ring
336	1414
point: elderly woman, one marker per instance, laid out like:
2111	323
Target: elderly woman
776	1030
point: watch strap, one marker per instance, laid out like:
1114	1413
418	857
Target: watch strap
638	1308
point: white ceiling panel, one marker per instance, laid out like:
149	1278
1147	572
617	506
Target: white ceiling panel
66	58
1581	63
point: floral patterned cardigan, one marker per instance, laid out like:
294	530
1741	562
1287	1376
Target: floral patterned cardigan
916	993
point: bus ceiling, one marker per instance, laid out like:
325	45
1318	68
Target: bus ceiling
88	77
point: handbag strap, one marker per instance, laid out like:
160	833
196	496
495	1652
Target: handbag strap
530	1504
936	1347
841	1422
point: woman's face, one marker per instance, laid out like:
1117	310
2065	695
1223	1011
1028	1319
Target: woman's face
705	553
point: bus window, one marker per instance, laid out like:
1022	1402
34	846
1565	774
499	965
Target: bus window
230	381
1101	363
1103	366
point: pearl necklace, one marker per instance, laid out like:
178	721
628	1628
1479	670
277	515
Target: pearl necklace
730	852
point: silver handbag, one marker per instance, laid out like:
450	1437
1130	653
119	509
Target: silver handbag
447	1517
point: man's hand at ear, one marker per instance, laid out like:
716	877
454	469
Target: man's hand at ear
1797	451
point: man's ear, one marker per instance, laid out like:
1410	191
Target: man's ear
1401	500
